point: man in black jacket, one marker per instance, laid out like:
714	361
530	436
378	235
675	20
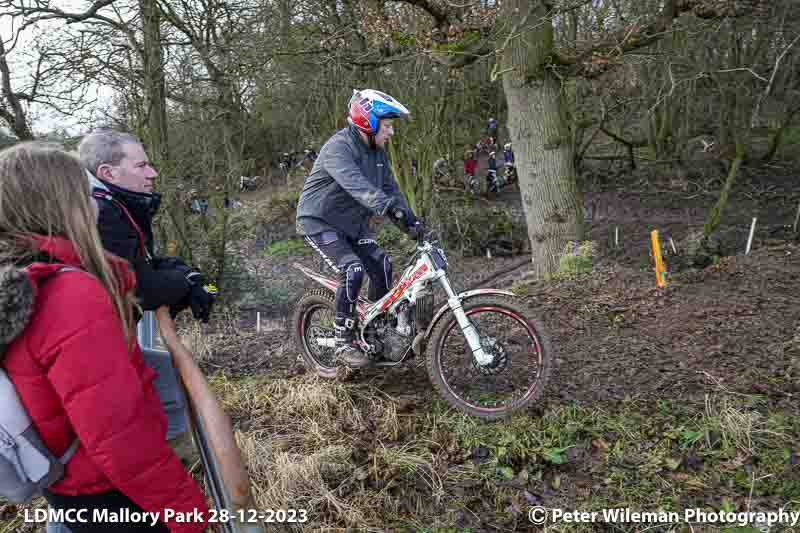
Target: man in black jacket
121	177
351	181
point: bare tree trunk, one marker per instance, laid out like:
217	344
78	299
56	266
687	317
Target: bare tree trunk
777	139
715	216
538	128
154	92
11	110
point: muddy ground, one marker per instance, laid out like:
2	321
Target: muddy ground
644	383
614	334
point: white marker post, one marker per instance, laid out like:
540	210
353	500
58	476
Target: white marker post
258	321
616	237
750	237
796	218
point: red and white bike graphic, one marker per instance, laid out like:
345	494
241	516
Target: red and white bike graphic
486	355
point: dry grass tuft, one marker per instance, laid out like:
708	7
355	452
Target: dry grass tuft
739	428
321	446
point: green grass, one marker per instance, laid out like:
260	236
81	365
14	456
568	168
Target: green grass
576	259
790	147
648	456
287	248
345	453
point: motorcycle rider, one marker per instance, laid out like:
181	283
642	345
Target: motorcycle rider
508	163
441	169
508	154
491	174
350	182
491	129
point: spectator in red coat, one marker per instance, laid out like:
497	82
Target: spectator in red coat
470	167
70	349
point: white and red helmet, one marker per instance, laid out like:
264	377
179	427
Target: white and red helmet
368	107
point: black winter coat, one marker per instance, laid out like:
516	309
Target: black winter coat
126	229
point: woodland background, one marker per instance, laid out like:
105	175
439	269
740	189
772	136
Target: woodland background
218	89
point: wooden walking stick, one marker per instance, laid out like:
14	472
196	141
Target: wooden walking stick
222	459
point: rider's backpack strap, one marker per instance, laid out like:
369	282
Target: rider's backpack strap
26	465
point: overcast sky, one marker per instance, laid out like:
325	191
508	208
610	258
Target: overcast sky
42	118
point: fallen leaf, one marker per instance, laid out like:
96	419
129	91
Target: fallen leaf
600	444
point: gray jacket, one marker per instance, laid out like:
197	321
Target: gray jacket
349	183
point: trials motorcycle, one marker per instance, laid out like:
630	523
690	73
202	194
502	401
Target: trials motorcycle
499	182
486	354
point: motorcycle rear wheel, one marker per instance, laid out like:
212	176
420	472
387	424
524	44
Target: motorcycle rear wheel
308	327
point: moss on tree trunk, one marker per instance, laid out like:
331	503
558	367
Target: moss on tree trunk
540	134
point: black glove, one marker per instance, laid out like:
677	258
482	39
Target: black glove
176	267
416	231
170	263
404	217
159	286
201	296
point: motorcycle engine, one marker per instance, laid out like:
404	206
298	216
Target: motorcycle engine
395	335
423	310
395	345
392	338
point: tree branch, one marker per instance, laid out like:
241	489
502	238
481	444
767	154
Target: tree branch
601	56
441	17
15	117
47	13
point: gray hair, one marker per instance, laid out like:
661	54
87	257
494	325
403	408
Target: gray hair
103	147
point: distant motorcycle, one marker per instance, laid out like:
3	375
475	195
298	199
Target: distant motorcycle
487	356
248	183
498	182
471	185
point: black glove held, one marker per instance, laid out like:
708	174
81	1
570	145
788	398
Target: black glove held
178	307
417	230
201	296
170	263
159	286
405	218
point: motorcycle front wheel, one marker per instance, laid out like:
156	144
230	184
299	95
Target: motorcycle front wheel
519	369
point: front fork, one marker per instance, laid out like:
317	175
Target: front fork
473	339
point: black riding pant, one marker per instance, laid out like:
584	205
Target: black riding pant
349	258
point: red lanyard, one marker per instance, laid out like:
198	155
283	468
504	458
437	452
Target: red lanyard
106	196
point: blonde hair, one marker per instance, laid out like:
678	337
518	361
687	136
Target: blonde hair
44	191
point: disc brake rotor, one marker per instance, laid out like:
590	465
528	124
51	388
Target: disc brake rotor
315	333
498	354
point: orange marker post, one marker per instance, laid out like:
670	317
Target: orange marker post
661	271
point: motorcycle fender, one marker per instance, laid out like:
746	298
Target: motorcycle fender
325	281
331	285
463	297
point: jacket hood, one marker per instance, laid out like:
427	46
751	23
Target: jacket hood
20	285
143	203
17	297
18	290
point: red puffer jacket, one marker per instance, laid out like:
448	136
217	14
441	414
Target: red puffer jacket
75	375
